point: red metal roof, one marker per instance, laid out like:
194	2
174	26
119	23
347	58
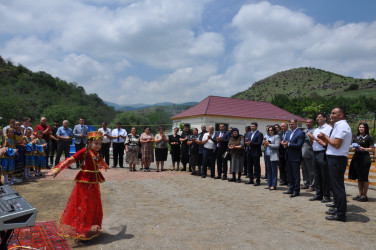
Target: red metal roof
225	106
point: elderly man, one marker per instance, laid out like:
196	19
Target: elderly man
221	138
80	133
47	131
64	134
254	141
338	142
308	170
208	153
293	143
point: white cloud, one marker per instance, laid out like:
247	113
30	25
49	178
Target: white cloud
133	51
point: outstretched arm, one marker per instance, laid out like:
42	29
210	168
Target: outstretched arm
103	165
61	166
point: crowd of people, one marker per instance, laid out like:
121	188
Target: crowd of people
321	153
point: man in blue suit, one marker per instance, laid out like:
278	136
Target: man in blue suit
221	138
253	141
293	143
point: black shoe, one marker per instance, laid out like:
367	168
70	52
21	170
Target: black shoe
316	198
113	166
203	176
121	166
294	195
217	177
70	167
287	192
238	180
224	177
283	183
212	176
256	184
232	180
249	182
336	217
193	173
356	198
325	200
331	205
332	209
183	169
331	212
363	199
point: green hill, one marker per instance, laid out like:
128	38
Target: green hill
35	94
308	82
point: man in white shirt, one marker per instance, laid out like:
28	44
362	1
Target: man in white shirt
208	153
322	179
339	143
80	133
106	142
118	137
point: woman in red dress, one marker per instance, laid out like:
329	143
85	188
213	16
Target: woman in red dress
82	217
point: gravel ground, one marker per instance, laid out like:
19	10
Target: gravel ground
174	210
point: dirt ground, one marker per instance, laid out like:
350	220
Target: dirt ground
174	210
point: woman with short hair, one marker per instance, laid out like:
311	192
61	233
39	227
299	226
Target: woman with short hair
161	150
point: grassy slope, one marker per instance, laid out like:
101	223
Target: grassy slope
305	82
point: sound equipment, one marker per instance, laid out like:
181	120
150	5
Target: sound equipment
15	212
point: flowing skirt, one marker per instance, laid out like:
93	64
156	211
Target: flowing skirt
82	217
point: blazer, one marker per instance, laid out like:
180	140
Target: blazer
294	149
225	139
274	147
254	150
307	151
77	131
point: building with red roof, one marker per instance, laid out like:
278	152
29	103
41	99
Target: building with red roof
214	110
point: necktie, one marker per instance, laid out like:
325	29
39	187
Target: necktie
118	135
284	136
219	144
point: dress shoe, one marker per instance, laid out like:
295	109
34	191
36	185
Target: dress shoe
325	200
249	182
287	192
183	169
331	212
238	180
315	198
294	195
224	177
217	177
212	176
193	173
331	205
363	199
256	184
336	217
203	176
232	180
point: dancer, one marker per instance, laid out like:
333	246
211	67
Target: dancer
82	217
29	154
7	160
40	154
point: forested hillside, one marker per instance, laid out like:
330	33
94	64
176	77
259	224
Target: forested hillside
36	94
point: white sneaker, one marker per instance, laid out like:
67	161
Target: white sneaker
16	180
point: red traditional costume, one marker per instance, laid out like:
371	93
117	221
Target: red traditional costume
82	217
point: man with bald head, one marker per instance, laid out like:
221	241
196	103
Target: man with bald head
208	153
64	134
47	131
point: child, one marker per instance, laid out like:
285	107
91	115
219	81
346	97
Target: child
39	154
82	217
19	158
29	156
7	160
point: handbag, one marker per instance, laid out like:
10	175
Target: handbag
226	155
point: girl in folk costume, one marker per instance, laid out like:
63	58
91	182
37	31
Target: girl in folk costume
29	154
82	217
19	158
7	160
39	154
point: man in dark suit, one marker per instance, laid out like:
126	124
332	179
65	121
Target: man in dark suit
293	143
221	138
254	141
247	131
80	133
283	174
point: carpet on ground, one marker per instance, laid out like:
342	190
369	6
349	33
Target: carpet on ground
44	236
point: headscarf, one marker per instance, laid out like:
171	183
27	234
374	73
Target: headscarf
235	129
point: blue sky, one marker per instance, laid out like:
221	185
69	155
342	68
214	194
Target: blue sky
149	51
